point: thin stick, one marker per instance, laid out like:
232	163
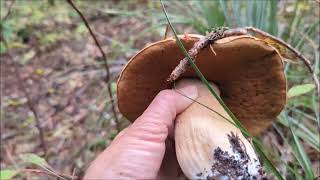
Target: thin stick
9	11
218	34
306	62
201	44
29	101
166	33
105	61
73	174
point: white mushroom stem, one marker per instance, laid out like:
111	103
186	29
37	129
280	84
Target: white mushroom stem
207	145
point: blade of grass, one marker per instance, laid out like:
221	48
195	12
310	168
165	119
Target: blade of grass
294	170
273	26
249	5
306	130
254	15
307	37
315	104
158	25
307	33
299	151
314	144
298	111
236	7
298	26
214	15
302	156
288	32
196	18
223	5
301	131
259	5
267	163
263	23
286	143
256	143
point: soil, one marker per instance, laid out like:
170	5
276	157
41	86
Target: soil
227	166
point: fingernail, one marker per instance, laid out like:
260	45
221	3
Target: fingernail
189	91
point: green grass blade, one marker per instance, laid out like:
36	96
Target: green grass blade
310	30
263	23
288	32
314	143
256	143
260	11
236	7
315	104
254	15
273	25
302	157
213	14
298	111
249	5
267	163
301	131
293	170
224	7
299	151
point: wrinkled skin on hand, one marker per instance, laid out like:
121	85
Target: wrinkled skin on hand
145	150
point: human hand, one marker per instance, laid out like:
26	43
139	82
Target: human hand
145	150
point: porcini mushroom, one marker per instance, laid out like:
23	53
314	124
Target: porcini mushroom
245	71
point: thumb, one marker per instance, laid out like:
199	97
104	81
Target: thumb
164	108
138	152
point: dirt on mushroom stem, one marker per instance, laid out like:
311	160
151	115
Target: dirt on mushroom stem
229	166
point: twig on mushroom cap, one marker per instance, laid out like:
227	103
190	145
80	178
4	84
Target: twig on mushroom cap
222	33
299	55
166	32
105	62
210	38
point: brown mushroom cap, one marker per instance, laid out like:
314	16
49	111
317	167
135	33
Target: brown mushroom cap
248	72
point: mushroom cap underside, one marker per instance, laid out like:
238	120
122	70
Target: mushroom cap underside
248	72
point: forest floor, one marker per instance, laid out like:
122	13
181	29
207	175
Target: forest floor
63	73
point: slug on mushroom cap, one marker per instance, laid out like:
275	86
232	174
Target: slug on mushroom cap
249	75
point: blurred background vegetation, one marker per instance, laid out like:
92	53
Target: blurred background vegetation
62	71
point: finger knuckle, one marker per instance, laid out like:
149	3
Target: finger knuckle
166	95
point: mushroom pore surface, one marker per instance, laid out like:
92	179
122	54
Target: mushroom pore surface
248	71
207	145
249	74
